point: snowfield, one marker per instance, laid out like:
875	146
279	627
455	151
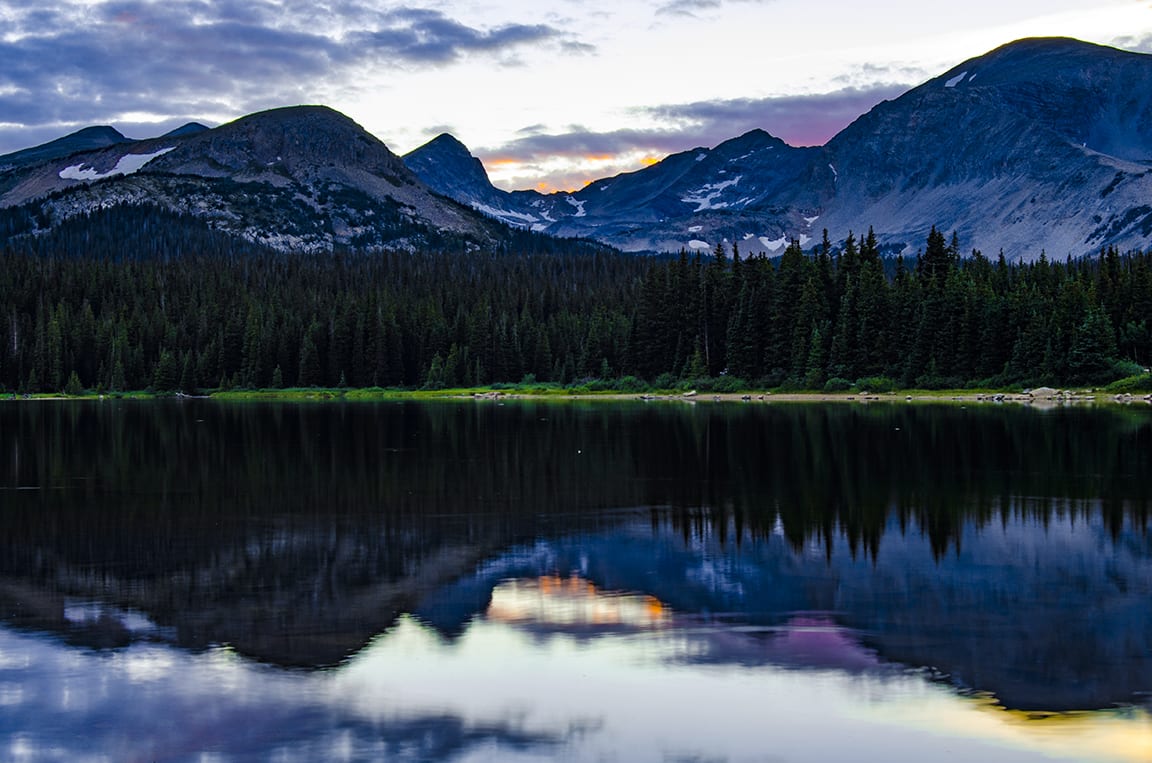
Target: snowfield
128	164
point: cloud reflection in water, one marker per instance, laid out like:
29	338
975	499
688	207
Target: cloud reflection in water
556	668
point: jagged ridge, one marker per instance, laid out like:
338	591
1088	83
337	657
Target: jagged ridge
1040	145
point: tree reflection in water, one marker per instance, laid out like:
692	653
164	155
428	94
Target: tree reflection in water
995	549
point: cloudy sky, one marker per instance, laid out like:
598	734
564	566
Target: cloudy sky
550	94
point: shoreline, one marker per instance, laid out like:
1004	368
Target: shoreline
1045	398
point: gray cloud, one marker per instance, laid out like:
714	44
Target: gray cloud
801	120
423	36
687	7
580	142
67	62
693	8
1136	44
798	120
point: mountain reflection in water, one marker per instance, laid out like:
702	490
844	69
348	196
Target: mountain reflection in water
531	581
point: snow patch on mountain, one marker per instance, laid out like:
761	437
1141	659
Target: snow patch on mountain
579	204
506	215
706	196
956	80
542	208
698	244
128	164
773	245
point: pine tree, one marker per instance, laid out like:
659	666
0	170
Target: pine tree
1093	347
166	377
73	387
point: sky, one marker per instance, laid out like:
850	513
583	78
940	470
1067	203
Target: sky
550	94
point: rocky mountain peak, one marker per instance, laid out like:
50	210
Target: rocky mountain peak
191	128
285	142
446	162
86	139
302	177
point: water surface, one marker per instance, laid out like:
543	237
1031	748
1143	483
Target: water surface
191	581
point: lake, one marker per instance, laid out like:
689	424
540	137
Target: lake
536	581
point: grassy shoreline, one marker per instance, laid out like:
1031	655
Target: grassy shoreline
1075	395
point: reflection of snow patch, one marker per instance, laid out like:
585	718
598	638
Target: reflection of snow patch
88	614
956	80
804	239
128	164
579	204
773	245
717	577
696	229
698	244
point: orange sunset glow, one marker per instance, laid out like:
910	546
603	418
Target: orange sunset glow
563	172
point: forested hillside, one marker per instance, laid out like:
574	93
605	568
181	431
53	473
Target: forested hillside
135	298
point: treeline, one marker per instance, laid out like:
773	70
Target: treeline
838	318
137	298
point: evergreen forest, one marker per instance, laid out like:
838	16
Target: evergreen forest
136	298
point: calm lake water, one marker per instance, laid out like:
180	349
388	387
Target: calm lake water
468	581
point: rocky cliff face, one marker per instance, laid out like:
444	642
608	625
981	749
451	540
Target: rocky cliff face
1042	145
1039	145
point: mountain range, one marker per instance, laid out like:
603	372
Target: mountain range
299	178
1040	145
1043	145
